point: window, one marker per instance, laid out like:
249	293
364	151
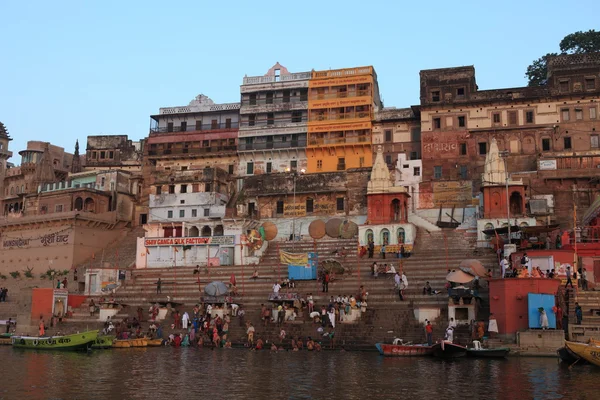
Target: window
251	119
462	149
594	141
460	92
286	96
437	123
388	159
482	148
435	95
578	114
592	112
414	155
513	118
253	99
181	213
565	114
214	124
567	142
194	213
341	164
339	202
102	155
171	189
529	117
183	126
111	154
545	144
269	98
388	135
58	208
590	83
496	117
250	168
206	212
198	125
228	123
437	172
169	127
463	171
563	85
94	155
102	181
183	189
269	167
319	164
170	214
416	171
279	207
415	134
310	205
207	188
230	169
270	119
461	121
296	116
361	162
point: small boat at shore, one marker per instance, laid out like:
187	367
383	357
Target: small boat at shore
103	342
568	357
446	349
588	352
126	343
155	342
404	350
76	341
499	352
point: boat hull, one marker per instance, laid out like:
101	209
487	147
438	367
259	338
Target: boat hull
155	342
103	342
449	350
395	350
588	352
78	341
126	343
488	353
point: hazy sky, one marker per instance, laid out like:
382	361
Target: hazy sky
69	70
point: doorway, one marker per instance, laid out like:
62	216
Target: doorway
93	283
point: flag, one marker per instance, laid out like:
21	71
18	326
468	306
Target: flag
175	248
93	256
147	250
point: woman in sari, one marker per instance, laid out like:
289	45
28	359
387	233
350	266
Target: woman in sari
42	328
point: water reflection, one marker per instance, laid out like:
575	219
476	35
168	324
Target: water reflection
190	373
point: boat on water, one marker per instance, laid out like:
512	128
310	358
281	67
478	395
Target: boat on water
155	342
404	350
103	342
126	343
588	352
447	349
76	341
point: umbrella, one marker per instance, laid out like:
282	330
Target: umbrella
332	265
459	276
216	288
473	267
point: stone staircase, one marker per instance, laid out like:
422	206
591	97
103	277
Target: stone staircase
590	324
120	253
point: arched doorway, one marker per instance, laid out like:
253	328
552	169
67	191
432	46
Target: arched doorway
89	205
193	232
218	230
396	210
385	236
516	203
523	224
206	231
78	204
401	235
369	236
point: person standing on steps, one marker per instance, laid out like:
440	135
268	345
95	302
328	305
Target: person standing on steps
429	333
578	313
569	281
326	279
371	247
383	251
158	286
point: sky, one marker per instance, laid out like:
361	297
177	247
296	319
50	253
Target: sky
69	69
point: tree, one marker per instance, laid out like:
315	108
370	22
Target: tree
575	43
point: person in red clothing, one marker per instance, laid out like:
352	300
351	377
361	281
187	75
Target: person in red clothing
177	340
429	332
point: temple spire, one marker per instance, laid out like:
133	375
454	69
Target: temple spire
76	164
494	170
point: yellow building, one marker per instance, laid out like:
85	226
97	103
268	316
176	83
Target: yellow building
341	105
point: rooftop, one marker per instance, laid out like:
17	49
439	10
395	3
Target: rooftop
200	103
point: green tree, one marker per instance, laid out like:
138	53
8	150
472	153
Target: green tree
574	43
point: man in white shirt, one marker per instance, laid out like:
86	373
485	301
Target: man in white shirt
276	287
504	265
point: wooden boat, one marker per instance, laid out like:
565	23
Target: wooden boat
499	352
449	350
121	344
155	342
568	357
5	341
403	350
103	342
594	342
588	352
126	343
76	341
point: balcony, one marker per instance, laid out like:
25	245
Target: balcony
342	73
287	102
257	80
340	140
565	167
178	151
340	95
339	117
270	123
272	145
196	127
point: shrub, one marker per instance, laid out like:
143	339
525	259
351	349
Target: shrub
2	276
28	272
15	274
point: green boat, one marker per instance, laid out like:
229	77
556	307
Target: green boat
76	341
103	342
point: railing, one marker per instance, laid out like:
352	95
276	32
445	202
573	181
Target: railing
254	80
196	127
334	117
342	140
292	100
271	145
191	150
338	73
339	95
274	122
196	108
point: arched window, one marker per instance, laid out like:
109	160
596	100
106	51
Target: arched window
206	231
523	224
12	190
78	204
219	230
369	236
193	232
401	235
89	205
385	236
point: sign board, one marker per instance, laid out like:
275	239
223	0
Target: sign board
452	193
546	165
190	241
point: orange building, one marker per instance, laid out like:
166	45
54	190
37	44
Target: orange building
341	105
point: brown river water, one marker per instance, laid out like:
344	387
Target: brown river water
186	373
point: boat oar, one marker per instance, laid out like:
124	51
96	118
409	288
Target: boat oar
571	366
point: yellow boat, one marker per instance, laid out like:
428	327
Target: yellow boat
121	344
589	352
594	342
126	343
155	342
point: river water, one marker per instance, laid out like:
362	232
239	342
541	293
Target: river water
185	373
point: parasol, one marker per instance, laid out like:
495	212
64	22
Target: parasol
473	267
459	276
316	229
332	227
348	230
270	230
332	265
216	288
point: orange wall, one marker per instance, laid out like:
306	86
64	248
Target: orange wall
41	303
329	157
508	300
76	300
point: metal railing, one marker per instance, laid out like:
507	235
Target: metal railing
274	121
192	150
342	140
196	127
339	95
292	100
254	80
334	117
271	145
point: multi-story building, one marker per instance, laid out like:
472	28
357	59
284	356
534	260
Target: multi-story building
341	107
5	154
273	122
113	152
548	133
398	131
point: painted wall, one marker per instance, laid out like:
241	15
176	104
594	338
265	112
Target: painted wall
160	205
508	300
489	223
410	234
408	174
41	304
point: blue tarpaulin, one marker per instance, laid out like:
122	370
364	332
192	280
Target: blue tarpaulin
304	272
534	302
